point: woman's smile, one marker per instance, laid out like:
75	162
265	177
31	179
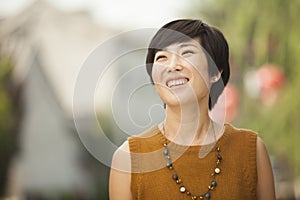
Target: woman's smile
176	81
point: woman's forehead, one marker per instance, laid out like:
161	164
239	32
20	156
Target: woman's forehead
179	45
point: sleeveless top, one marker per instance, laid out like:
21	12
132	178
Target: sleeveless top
151	179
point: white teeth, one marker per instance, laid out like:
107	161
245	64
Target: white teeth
177	82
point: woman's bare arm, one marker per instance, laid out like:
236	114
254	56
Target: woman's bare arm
265	182
120	174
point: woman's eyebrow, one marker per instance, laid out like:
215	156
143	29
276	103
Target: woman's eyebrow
187	45
181	45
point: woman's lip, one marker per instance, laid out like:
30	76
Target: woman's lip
180	79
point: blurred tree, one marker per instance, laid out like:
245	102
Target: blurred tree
8	120
260	32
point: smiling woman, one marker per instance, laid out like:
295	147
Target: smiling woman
179	68
189	155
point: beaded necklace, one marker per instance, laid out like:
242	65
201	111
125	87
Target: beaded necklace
179	182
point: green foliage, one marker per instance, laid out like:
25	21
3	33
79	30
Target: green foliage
7	121
278	125
260	32
6	114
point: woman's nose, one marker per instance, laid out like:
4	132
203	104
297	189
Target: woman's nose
175	63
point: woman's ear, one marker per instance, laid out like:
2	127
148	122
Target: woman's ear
216	77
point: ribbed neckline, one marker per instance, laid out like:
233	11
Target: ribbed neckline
193	148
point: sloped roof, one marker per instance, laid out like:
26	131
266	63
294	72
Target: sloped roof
61	39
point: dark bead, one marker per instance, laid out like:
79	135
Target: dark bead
166	151
219	157
214	183
175	177
207	195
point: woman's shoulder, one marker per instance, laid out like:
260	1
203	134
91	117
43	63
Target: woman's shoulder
152	134
240	137
233	130
149	140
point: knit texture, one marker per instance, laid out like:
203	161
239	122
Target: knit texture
151	179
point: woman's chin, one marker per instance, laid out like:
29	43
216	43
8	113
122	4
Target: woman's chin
181	102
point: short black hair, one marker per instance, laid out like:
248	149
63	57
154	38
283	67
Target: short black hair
212	41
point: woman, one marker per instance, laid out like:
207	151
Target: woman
190	155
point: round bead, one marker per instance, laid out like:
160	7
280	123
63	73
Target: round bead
217	170
169	165
219	157
214	183
178	181
175	177
166	152
207	195
182	189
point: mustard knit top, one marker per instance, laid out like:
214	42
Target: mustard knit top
151	179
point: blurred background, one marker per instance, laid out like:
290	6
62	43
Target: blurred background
43	44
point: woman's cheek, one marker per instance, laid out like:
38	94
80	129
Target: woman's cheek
199	68
157	76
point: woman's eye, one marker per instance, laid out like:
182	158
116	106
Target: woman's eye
161	57
188	52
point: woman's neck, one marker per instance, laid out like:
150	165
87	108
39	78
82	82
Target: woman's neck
189	125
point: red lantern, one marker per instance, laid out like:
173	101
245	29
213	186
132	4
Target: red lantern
227	107
272	79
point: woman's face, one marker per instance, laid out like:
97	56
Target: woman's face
180	73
